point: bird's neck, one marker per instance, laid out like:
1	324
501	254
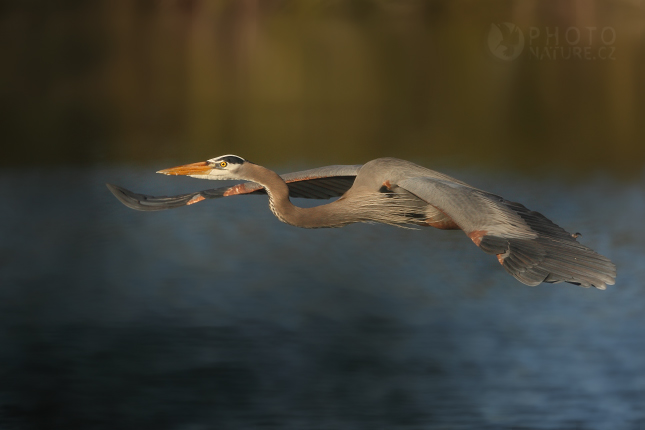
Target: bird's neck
328	215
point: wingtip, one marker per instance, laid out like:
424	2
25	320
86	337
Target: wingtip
119	192
114	189
122	196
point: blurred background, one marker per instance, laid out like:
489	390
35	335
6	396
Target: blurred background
218	316
134	81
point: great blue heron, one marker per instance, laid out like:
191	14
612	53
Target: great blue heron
388	190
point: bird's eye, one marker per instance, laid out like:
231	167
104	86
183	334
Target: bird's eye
223	164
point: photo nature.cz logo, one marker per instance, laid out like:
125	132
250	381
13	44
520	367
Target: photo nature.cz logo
506	42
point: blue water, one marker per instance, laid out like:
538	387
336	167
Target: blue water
218	316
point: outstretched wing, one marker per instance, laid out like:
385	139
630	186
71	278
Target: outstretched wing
529	246
321	183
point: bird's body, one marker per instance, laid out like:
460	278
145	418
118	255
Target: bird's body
391	191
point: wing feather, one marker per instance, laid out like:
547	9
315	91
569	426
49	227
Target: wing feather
528	245
143	202
321	183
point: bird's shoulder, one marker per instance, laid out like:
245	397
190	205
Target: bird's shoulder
375	173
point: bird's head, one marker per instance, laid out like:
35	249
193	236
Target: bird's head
219	168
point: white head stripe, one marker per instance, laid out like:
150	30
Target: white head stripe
224	156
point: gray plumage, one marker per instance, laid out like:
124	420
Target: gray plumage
322	183
388	190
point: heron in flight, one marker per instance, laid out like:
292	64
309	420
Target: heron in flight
397	192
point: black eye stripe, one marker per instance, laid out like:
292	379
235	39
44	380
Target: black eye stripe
230	159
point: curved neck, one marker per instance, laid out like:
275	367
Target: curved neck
328	215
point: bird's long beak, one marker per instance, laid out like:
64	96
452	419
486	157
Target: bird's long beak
201	168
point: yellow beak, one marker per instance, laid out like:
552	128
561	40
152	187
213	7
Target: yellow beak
201	168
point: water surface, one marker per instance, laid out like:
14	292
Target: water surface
219	316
